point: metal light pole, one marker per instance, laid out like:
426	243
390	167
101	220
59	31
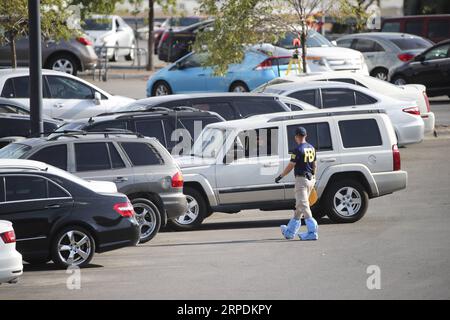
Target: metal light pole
35	62
151	40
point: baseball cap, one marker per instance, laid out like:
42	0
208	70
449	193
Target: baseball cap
300	131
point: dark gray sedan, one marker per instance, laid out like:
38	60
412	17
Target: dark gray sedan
385	51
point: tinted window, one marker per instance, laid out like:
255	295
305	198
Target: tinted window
364	45
439	29
440	52
141	154
54	155
66	88
318	135
108	125
249	107
195	126
91	156
15	127
308	96
19	188
360	133
55	191
8	89
116	160
2	189
194	60
151	128
259	142
411	43
22	88
339	97
346	43
414	27
362	98
391	27
224	109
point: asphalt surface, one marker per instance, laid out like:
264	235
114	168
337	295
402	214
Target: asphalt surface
242	256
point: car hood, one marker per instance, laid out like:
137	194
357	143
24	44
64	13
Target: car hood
192	162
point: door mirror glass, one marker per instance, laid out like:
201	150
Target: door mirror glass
97	98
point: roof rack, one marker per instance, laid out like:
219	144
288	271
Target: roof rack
106	132
325	114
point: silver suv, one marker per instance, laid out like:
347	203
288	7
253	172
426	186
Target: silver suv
233	164
141	168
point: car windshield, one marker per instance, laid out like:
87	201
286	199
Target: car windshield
263	87
98	24
314	39
14	151
411	43
209	143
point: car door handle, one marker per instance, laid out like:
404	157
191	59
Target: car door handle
120	179
201	75
328	160
270	164
53	206
58	105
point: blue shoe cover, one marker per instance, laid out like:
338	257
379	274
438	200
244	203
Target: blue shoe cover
313	228
291	230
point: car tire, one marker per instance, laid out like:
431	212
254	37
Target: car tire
197	211
239	86
148	216
399	80
37	261
63	245
115	55
337	201
380	73
64	63
130	56
161	88
317	211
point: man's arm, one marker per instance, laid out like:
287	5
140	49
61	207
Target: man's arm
314	167
285	172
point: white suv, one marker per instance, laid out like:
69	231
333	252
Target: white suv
233	164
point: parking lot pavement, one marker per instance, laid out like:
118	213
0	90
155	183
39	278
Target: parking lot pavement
242	256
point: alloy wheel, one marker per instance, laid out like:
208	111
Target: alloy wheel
347	201
146	217
74	247
192	211
63	65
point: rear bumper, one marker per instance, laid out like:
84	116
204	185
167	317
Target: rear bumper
389	182
10	266
175	204
429	121
126	234
411	132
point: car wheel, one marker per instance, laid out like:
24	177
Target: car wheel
149	218
63	63
37	261
130	56
345	201
399	80
161	88
380	73
115	55
239	86
72	246
195	214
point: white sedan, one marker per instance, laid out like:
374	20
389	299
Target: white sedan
113	33
405	115
64	96
11	267
408	92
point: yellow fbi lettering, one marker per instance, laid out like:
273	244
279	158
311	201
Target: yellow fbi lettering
310	153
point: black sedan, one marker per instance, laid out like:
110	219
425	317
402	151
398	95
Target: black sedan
430	68
60	217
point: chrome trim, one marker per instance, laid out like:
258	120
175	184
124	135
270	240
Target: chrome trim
40	199
35	238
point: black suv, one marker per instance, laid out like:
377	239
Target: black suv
140	167
229	105
15	120
156	122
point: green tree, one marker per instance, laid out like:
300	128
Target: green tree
246	22
14	22
358	9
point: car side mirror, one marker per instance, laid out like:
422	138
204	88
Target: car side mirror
119	29
97	98
180	65
334	43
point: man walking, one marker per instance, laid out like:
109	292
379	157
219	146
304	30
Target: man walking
303	161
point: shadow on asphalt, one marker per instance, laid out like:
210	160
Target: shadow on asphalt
51	267
220	242
248	224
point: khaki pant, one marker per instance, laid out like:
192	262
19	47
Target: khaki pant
303	188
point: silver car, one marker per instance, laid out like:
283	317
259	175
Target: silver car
384	51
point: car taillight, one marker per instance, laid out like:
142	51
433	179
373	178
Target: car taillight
84	41
405	57
177	180
396	158
164	37
426	100
8	237
413	110
264	65
125	209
